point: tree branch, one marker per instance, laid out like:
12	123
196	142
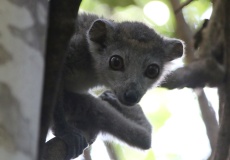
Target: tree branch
212	37
182	6
61	19
86	153
111	151
208	115
211	45
185	33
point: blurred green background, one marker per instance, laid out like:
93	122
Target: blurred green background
178	129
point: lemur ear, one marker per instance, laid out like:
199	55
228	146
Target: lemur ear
174	49
99	30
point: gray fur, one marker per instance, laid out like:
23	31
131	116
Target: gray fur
139	46
90	49
108	115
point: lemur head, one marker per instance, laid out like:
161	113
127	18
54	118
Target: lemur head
130	57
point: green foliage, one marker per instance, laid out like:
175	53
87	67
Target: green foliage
130	13
173	157
150	155
116	3
119	151
141	3
133	10
194	11
127	153
159	117
89	5
95	7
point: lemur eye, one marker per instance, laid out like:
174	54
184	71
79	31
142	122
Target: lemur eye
152	71
116	63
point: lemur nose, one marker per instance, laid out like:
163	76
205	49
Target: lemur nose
131	96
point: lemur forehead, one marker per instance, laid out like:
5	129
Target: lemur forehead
137	33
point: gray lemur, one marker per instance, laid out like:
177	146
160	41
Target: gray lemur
128	58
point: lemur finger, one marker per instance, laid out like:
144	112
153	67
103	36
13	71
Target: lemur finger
108	95
111	99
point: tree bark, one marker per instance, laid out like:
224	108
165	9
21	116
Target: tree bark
222	149
22	40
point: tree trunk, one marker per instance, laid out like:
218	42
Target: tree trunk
223	144
22	37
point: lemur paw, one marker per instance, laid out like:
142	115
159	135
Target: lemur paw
111	98
76	143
